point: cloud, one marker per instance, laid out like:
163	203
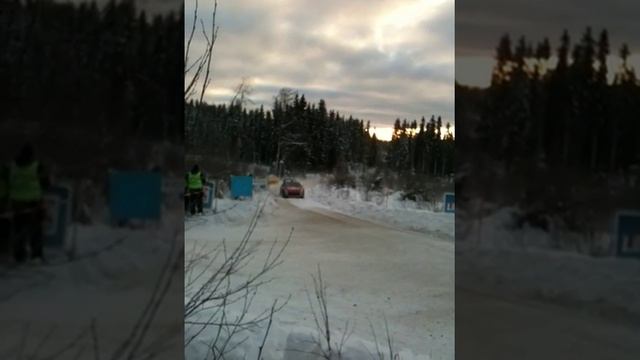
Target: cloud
375	60
479	25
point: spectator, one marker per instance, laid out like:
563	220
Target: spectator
27	182
195	185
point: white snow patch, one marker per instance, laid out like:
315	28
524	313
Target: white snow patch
108	281
390	210
287	342
234	212
521	262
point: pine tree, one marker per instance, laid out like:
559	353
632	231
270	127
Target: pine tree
503	60
559	105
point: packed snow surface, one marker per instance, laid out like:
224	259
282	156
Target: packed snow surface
574	305
88	306
373	266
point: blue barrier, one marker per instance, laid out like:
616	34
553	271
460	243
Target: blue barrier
135	195
627	234
449	200
57	201
241	186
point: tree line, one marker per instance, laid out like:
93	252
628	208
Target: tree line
422	148
308	136
562	109
110	69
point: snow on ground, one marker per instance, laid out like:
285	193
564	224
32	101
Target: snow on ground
574	305
233	212
108	283
520	262
370	270
390	210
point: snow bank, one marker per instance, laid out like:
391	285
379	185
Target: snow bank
286	342
234	212
390	210
108	281
495	231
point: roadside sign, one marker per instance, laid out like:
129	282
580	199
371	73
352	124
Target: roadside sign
449	201
627	233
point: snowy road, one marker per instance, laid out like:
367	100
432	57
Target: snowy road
370	269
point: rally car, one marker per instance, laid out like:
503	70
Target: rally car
291	188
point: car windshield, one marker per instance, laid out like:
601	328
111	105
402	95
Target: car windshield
294	183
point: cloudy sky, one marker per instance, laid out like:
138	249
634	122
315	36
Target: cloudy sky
479	25
375	60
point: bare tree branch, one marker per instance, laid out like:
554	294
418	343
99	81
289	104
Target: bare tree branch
219	298
94	337
191	33
328	348
389	342
266	334
194	71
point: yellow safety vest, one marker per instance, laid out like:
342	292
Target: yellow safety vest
24	183
195	181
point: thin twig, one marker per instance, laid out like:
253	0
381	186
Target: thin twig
23	342
94	337
175	266
212	289
73	343
191	33
147	309
43	342
266	334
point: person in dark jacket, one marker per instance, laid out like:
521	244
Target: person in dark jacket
27	182
195	185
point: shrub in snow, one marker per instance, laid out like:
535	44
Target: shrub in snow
219	298
300	346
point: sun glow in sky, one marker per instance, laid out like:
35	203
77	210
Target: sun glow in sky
385	133
391	28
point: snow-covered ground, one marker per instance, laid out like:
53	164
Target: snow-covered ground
522	261
578	306
389	209
231	212
88	306
371	268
